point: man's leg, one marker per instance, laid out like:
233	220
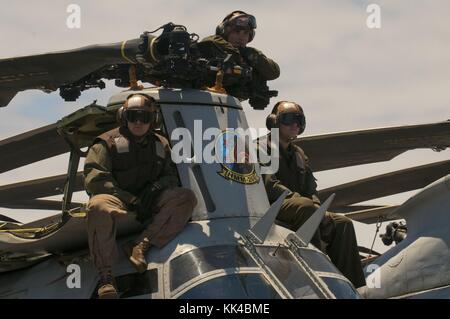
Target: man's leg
343	250
101	226
295	211
173	210
339	235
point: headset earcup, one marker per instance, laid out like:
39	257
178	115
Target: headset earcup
252	35
119	116
271	121
158	120
302	128
220	29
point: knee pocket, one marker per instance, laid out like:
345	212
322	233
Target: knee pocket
102	204
306	206
95	205
190	196
185	195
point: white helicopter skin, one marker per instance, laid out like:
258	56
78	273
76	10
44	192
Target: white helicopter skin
419	266
231	249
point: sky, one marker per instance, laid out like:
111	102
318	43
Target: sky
346	75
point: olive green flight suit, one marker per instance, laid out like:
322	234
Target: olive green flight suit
116	169
336	231
264	68
216	46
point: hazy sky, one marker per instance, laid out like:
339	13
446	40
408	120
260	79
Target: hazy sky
344	74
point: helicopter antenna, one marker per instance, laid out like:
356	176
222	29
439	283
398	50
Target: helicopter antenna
307	230
261	229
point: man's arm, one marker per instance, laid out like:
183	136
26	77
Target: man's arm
166	179
214	46
311	186
169	175
98	178
274	187
265	66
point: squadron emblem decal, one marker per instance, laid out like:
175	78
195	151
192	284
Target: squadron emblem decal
236	164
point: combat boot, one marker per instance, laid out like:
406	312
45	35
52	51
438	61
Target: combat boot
107	289
137	256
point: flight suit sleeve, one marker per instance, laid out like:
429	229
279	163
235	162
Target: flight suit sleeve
265	66
98	177
311	186
169	175
274	187
216	46
308	187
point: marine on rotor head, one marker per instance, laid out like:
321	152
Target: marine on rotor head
179	61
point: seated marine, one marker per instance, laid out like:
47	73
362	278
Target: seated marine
336	235
129	169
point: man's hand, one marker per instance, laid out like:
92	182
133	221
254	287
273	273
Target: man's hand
327	228
250	55
146	203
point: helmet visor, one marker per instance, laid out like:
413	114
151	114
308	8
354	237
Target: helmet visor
142	116
291	118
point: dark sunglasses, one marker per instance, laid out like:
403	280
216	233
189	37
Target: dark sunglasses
134	116
291	118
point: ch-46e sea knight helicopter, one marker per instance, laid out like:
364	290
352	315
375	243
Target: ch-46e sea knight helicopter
232	248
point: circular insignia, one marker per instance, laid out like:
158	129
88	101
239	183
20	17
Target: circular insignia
233	155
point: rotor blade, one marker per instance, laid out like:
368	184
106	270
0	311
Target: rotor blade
7	219
6	96
37	204
344	149
37	188
368	251
386	184
262	228
354	208
30	147
374	215
51	70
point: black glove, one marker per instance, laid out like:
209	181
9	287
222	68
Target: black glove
147	201
250	55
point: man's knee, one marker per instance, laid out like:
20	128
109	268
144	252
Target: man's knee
103	204
295	211
342	222
180	197
299	202
96	205
186	196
